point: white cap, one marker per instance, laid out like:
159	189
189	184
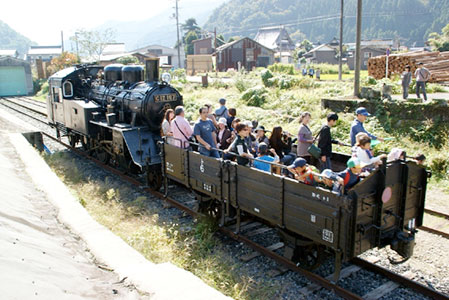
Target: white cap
222	121
249	124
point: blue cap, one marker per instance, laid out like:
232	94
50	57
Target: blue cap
362	111
299	162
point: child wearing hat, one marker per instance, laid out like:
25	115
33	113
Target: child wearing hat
303	173
224	134
263	156
351	175
332	181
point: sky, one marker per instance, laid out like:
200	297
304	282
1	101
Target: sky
42	21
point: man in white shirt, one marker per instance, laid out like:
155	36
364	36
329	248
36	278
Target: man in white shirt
422	76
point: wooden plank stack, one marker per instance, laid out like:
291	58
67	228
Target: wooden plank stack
436	62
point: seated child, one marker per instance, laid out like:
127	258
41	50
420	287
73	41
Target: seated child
303	173
395	154
358	136
263	156
363	153
419	159
351	175
332	181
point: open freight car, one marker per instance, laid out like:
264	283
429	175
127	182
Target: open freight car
383	209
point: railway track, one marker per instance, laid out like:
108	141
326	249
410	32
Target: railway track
251	229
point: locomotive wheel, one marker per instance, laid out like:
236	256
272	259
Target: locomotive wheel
102	156
309	257
85	143
154	180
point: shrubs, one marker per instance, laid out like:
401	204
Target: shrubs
255	96
330	69
266	75
439	166
282	68
242	84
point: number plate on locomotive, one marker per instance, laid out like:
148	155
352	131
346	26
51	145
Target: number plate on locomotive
165	97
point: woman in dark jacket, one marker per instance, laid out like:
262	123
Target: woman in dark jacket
224	135
281	142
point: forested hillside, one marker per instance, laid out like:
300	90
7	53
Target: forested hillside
10	39
410	21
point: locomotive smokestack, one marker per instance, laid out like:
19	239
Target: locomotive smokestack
152	69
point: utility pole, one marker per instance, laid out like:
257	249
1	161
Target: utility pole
177	32
76	40
340	58
62	40
357	49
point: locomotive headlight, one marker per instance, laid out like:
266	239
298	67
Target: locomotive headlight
166	77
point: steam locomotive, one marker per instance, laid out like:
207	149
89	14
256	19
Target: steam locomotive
113	113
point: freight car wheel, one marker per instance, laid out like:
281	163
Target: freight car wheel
73	139
211	208
207	206
309	257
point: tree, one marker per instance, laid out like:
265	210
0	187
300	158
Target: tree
191	32
307	45
189	38
440	42
128	60
63	61
92	43
220	40
191	25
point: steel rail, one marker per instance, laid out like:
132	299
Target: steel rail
31	101
24	106
21	112
436	213
422	289
435	231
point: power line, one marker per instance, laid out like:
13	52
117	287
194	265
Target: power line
232	31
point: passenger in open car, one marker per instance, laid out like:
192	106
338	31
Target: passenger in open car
239	145
303	173
263	156
351	175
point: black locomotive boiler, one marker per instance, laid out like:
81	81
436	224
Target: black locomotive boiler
113	113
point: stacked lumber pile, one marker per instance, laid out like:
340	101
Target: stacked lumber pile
436	62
